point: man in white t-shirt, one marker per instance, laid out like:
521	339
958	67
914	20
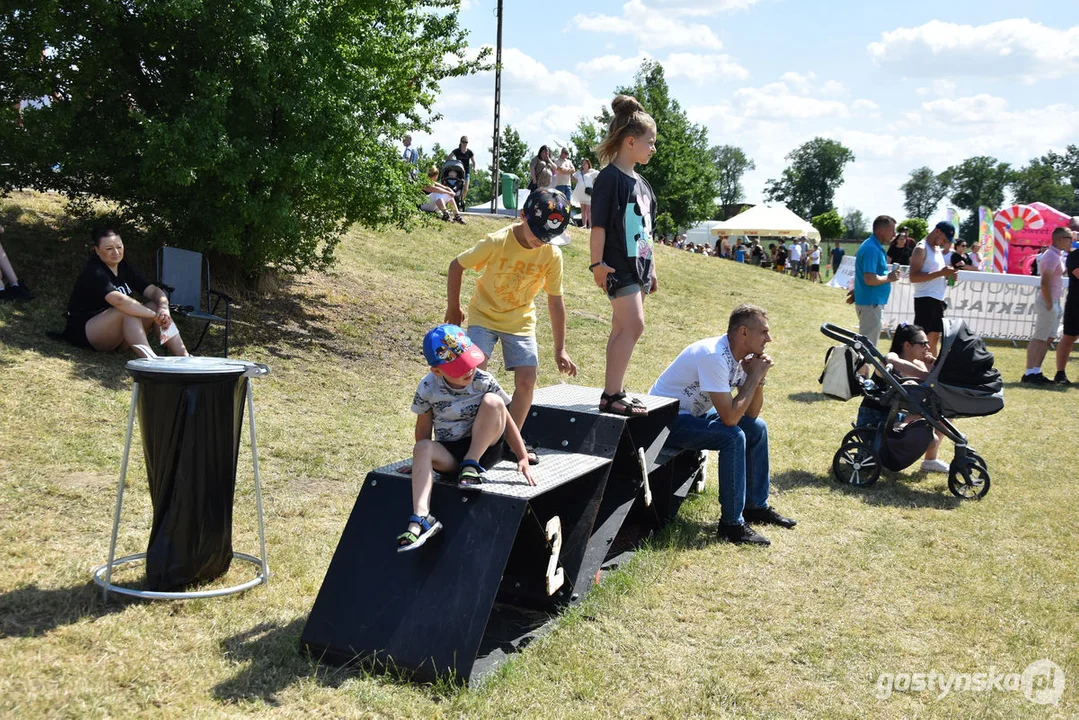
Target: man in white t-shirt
1047	309
719	383
794	258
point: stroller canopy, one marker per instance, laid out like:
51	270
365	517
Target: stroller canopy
964	380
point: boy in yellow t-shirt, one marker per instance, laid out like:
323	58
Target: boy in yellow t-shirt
517	262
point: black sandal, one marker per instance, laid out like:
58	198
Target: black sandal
471	475
533	458
631	407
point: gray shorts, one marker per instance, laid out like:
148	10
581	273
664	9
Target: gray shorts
517	350
1046	320
870	321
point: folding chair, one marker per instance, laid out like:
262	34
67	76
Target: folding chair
185	276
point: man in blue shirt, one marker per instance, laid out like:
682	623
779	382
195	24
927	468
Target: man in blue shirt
872	281
837	257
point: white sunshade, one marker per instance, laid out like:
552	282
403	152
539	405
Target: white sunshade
766	221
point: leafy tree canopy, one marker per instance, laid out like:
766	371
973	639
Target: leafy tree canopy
857	224
731	164
513	154
829	225
1052	179
976	182
924	191
679	172
918	227
259	130
808	184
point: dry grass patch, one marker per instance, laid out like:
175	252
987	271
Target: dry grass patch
899	577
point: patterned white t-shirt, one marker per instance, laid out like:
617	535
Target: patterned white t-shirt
454	409
706	366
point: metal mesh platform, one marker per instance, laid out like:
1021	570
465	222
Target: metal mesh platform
555	468
586	399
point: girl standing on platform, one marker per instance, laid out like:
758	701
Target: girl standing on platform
623	215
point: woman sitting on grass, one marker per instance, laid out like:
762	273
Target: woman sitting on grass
102	314
912	360
440	198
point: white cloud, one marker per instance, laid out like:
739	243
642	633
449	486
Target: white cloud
1017	47
862	105
704	68
612	64
777	101
650	27
703	7
521	71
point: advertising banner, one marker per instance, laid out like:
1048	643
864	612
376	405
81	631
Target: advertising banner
994	305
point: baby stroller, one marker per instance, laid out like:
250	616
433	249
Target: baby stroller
963	383
453	177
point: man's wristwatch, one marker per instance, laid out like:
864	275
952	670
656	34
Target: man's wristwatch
595	265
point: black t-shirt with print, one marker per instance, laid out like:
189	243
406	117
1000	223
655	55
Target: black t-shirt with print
465	158
625	207
97	281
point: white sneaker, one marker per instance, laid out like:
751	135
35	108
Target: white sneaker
938	466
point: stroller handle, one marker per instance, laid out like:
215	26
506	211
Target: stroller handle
843	335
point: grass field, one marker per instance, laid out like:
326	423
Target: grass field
897	578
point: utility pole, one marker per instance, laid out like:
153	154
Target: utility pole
495	148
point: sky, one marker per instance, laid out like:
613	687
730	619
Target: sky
902	84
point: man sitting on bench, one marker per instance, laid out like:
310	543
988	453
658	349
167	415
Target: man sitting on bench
703	379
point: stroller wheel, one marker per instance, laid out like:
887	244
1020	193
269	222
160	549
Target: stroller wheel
862	435
855	463
975	459
970	482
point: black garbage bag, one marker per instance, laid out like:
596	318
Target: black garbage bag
191	427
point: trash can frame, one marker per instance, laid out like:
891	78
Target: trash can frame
102	574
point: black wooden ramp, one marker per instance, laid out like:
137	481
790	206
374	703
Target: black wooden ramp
426	612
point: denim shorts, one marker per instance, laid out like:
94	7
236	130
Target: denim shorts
517	350
623	282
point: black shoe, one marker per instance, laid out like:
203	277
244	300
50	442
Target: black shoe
18	292
741	535
1062	379
1036	379
768	516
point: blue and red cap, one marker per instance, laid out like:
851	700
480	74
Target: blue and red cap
449	349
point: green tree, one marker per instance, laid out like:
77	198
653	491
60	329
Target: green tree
480	189
513	153
665	225
587	135
257	130
918	227
808	184
681	177
731	164
924	191
1041	180
436	159
857	225
829	225
978	181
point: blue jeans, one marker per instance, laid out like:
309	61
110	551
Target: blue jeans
743	459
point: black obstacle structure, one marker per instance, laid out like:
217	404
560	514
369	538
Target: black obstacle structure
510	556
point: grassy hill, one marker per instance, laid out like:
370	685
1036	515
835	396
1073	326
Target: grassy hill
897	578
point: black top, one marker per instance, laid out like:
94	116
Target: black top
1071	265
465	158
625	206
837	256
97	281
900	255
964	259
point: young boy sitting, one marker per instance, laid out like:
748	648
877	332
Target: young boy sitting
466	409
516	263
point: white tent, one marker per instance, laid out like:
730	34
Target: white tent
766	221
701	233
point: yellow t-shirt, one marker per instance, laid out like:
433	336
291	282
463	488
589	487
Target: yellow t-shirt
512	277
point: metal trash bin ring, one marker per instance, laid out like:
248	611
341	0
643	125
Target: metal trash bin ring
179	458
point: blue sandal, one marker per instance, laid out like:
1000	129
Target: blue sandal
429	527
471	475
